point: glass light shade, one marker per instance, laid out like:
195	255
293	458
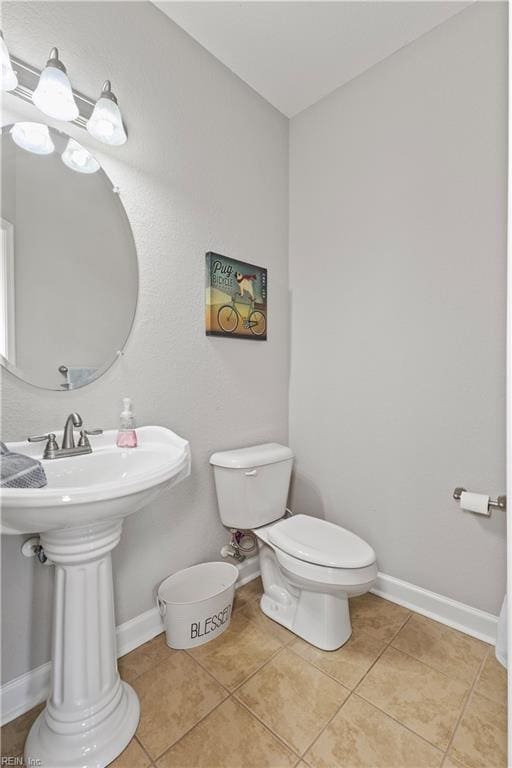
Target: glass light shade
34	137
54	96
78	158
9	79
106	123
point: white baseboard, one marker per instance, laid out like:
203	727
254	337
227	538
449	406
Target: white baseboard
460	616
249	570
24	692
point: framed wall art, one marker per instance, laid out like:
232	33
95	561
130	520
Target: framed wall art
236	298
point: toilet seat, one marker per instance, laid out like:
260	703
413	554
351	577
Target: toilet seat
319	542
323	576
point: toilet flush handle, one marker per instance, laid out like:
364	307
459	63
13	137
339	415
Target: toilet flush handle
251	473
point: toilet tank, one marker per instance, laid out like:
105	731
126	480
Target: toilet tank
252	484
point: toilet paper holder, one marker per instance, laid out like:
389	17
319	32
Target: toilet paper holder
500	503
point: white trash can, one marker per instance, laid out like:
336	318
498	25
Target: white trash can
195	603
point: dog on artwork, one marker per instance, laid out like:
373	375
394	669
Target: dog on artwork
245	284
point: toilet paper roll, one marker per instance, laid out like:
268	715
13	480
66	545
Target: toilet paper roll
475	502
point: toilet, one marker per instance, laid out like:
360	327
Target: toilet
309	567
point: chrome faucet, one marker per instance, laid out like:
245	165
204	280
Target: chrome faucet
68	448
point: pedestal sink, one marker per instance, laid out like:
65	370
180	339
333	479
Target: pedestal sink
90	715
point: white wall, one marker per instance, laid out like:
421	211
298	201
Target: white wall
205	168
397	262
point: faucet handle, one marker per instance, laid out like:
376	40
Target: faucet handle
39	438
84	440
51	446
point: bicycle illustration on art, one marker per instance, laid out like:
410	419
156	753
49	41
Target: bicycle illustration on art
229	317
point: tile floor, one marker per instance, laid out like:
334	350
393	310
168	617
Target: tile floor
404	692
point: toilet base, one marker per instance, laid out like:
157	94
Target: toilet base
320	619
315	609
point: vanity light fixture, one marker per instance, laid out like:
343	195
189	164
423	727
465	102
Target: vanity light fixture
78	158
53	94
106	122
33	137
51	91
9	78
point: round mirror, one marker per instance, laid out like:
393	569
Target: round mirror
68	268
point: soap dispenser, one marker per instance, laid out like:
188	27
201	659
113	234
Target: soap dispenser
127	436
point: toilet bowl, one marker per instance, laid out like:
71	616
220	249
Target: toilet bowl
309	567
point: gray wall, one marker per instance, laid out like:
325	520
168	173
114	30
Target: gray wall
397	262
205	168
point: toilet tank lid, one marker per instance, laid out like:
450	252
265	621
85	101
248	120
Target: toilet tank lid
254	456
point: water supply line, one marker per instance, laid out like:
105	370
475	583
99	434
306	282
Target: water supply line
33	548
241	544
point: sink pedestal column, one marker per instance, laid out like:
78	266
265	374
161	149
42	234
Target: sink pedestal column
90	715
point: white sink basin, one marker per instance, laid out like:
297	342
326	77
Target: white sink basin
108	483
90	715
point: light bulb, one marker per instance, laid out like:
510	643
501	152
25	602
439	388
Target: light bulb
78	158
53	94
34	137
106	122
9	79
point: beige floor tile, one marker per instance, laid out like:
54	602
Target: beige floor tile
439	646
492	682
377	617
481	738
416	695
361	736
449	762
174	696
14	734
145	657
228	738
293	698
132	757
250	592
237	653
252	611
238	603
349	663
